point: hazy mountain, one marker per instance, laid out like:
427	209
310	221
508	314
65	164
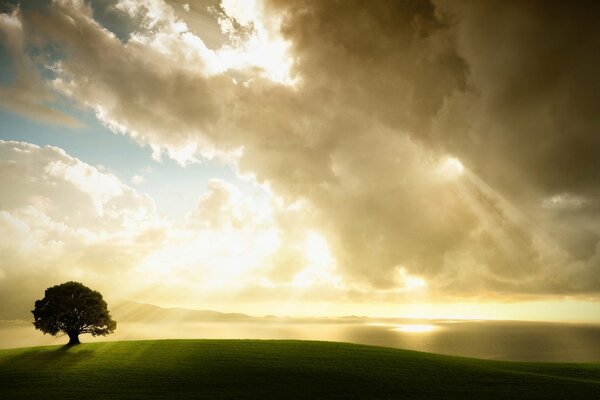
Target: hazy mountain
132	311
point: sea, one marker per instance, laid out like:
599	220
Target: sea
486	339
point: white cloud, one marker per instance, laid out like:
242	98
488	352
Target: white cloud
99	186
64	219
137	179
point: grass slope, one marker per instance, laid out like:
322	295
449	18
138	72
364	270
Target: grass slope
228	369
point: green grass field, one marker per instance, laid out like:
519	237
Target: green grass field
234	369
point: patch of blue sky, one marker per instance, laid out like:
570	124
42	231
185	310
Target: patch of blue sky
112	19
175	188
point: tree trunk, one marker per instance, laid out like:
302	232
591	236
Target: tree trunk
73	339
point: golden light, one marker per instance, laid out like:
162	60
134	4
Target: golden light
451	168
320	263
264	48
409	281
408	328
316	250
415	328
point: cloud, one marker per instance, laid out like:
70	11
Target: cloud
63	219
28	93
380	97
137	179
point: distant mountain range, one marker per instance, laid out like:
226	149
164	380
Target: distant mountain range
142	312
132	311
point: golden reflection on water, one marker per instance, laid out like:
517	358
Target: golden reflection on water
408	328
411	328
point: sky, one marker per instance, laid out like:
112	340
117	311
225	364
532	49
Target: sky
429	159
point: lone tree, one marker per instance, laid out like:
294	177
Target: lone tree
73	309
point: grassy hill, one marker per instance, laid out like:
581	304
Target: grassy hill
228	369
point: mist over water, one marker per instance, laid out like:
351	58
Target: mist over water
500	340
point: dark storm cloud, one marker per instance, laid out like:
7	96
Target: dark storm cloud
507	82
508	87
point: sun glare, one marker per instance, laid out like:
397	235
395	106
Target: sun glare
316	250
451	168
409	281
412	328
263	48
320	263
408	328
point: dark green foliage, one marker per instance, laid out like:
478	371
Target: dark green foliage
254	369
73	309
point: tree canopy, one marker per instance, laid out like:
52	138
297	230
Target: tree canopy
73	309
